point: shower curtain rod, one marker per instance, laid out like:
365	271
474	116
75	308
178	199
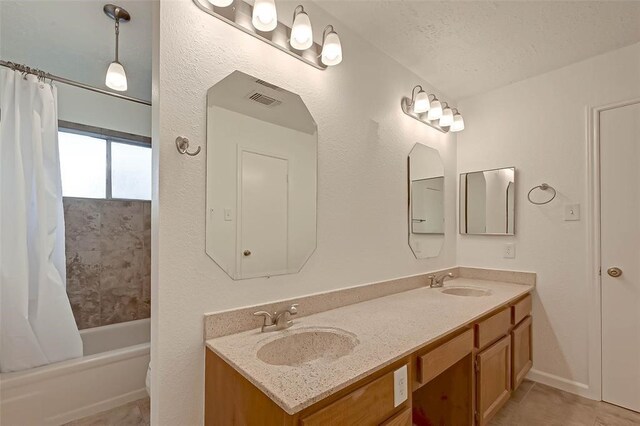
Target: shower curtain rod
45	75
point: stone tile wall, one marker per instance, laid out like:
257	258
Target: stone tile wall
108	250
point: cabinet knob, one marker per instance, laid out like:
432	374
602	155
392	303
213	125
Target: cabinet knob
614	272
247	252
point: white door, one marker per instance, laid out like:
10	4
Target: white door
263	215
620	245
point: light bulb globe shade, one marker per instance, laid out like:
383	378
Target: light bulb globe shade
116	77
332	49
221	3
421	102
447	118
435	112
458	123
265	16
301	32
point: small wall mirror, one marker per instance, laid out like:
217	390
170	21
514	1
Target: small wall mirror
487	202
261	178
426	201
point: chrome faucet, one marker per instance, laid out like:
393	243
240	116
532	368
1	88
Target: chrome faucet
438	280
279	320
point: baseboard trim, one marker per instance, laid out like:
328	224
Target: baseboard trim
98	407
561	383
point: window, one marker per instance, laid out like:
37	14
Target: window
94	165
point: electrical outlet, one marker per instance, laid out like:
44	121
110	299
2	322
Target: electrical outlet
400	387
509	251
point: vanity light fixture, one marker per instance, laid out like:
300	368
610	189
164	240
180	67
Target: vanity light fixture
419	101
301	32
331	47
221	3
116	78
435	112
265	15
259	19
458	122
444	119
447	117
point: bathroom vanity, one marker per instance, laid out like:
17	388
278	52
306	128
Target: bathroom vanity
453	355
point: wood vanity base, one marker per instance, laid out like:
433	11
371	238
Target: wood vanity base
462	378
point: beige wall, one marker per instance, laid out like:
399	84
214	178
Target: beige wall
363	143
540	126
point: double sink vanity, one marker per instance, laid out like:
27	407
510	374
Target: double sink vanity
445	355
421	350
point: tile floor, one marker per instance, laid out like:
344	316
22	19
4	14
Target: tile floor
533	404
135	413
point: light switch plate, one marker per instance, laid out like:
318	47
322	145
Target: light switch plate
400	385
509	251
227	215
572	212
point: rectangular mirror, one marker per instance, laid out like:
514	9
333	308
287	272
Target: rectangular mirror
487	202
262	147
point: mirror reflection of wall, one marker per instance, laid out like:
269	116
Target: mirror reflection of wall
426	201
261	178
487	202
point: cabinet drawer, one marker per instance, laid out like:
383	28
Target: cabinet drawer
493	328
403	418
520	310
371	404
521	358
444	356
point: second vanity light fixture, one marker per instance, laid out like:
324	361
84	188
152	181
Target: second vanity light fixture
261	21
428	109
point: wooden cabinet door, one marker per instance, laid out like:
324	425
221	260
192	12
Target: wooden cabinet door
493	380
522	356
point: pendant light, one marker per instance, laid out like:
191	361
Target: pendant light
331	47
265	16
420	101
301	32
116	78
221	3
447	117
435	110
458	122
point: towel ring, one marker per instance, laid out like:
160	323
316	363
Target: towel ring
544	187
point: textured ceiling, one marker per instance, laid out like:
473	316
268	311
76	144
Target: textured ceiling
76	40
470	47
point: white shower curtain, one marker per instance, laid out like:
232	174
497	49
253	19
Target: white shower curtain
36	322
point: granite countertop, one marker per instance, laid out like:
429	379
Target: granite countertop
387	328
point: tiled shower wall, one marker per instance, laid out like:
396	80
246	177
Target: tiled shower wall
108	250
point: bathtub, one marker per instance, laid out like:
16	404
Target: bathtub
111	373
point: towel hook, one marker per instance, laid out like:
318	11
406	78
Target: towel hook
544	187
182	144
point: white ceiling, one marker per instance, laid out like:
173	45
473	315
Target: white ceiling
76	40
469	47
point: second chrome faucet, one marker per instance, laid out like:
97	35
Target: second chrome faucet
279	320
438	280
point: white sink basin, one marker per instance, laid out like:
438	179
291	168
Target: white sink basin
466	291
307	345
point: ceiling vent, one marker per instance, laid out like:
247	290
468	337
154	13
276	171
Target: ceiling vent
269	85
263	99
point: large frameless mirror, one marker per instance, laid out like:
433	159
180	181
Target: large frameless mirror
487	202
261	178
426	201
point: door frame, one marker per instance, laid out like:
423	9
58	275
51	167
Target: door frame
593	245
